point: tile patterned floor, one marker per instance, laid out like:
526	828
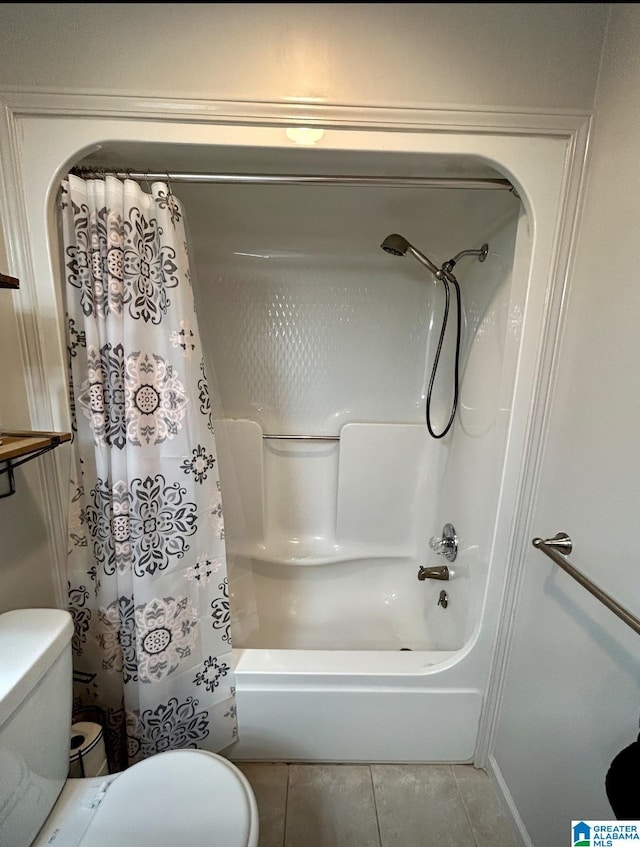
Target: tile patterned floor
309	805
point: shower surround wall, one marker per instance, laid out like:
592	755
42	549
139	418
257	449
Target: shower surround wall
311	329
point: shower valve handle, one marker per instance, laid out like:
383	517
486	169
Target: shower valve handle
447	544
442	546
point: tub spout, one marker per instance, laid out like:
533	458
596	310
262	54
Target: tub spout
439	572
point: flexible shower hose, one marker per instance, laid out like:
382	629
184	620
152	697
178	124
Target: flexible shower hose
445	281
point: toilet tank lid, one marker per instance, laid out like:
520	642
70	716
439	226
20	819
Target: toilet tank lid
30	642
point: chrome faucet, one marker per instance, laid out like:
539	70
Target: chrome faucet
438	572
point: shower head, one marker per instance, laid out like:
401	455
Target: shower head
397	245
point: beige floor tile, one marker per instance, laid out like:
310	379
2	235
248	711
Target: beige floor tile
331	806
488	820
420	806
269	783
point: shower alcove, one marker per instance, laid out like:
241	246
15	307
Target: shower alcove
310	329
314	332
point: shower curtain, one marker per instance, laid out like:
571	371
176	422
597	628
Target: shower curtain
148	588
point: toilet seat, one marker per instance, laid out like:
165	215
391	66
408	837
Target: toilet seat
181	798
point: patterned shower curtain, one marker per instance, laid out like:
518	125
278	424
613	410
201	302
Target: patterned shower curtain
147	573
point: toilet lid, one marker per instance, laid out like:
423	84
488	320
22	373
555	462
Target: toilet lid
186	798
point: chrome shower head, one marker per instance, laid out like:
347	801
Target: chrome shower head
396	245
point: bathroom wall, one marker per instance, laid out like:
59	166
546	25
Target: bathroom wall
511	55
572	696
26	575
577	703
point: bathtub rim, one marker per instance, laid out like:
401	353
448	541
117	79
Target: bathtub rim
254	666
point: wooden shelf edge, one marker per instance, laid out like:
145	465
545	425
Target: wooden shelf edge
9	281
18	443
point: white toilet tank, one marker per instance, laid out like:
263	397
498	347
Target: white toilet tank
35	718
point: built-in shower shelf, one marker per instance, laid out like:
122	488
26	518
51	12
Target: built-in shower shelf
20	446
299	556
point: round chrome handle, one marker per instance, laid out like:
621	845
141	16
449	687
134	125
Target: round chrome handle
447	544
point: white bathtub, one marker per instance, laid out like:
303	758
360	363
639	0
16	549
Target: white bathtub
354	660
340	653
353	706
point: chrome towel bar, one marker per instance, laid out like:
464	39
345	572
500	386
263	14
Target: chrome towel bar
562	542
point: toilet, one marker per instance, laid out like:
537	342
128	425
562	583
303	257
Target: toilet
187	798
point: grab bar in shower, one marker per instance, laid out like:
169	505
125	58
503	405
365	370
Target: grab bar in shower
302	437
556	549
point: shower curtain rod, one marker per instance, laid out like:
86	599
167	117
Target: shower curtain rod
298	179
